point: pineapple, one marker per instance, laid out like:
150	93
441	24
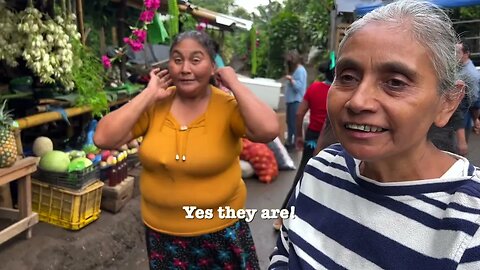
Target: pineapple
8	146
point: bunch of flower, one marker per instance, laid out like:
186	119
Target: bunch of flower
139	34
11	42
48	50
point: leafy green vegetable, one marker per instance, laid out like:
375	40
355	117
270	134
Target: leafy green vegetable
89	75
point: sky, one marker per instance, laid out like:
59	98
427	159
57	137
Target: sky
250	5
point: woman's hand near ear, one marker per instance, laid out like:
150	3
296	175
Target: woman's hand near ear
159	83
227	77
260	120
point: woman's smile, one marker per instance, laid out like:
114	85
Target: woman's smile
377	105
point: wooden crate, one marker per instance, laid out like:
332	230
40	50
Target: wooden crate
24	217
114	198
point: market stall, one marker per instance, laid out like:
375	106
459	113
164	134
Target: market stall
57	86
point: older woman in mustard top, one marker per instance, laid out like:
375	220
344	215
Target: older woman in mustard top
190	157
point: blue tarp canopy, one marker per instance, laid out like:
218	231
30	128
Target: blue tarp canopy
364	9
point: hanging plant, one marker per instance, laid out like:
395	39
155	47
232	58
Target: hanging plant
47	47
11	42
88	75
139	34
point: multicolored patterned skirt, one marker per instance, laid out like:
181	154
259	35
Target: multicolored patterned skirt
230	248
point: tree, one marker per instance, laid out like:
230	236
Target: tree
280	28
285	34
222	6
316	22
267	12
468	30
240	12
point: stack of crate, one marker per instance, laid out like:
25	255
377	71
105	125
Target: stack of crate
69	200
118	188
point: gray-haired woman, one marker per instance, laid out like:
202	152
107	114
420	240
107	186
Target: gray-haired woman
386	197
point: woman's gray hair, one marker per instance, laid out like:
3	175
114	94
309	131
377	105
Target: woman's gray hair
429	25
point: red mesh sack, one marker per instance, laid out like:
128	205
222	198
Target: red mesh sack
262	159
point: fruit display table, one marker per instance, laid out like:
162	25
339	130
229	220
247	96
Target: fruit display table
25	218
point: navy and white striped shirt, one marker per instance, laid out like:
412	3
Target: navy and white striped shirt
346	221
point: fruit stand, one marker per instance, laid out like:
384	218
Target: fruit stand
70	187
56	85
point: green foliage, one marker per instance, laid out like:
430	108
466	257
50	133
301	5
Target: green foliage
468	13
88	75
316	22
241	13
267	12
285	34
222	6
235	44
262	54
174	17
6	118
98	14
187	21
253	50
103	13
467	29
280	28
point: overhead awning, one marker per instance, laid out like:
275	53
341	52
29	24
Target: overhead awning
222	21
363	9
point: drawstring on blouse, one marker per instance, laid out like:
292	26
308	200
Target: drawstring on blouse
184	146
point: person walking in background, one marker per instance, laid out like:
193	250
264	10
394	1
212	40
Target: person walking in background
315	101
385	197
294	91
218	57
471	77
453	137
190	157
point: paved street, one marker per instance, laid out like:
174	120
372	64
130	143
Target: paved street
262	196
267	196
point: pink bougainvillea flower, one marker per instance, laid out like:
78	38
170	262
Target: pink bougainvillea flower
138	37
134	44
152	4
106	62
147	16
200	27
140	34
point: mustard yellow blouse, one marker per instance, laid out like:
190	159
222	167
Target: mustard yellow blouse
197	165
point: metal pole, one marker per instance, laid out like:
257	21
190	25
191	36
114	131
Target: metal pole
333	31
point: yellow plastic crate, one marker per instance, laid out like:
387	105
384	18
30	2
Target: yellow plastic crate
66	208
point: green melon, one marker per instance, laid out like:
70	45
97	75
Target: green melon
41	146
54	161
